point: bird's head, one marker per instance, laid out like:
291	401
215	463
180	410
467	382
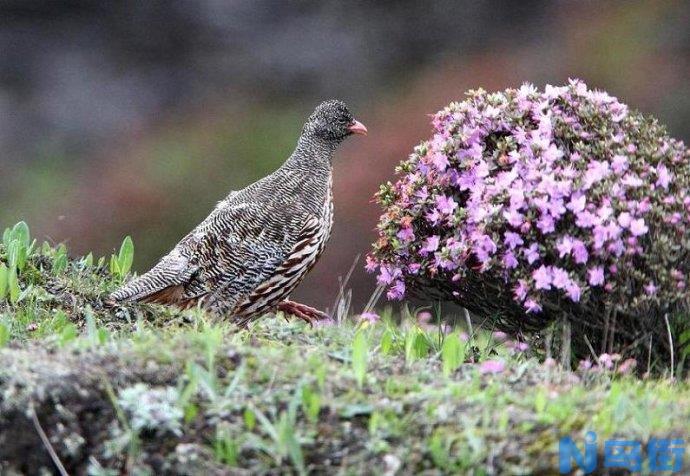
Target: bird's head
332	121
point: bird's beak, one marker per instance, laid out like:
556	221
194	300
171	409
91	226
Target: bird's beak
358	128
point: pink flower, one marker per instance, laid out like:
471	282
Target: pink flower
606	360
424	316
638	228
371	264
624	219
552	153
580	252
564	246
387	274
446	205
585	219
577	203
664	177
584	365
512	240
574	292
561	279
431	244
520	291
595	276
509	260
542	278
514	217
619	164
546	224
440	161
397	291
406	234
370	317
492	367
531	253
518	346
597	170
433	217
499	336
627	366
532	306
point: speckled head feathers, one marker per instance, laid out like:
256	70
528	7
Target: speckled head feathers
331	121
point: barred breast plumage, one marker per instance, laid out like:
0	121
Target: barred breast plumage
257	245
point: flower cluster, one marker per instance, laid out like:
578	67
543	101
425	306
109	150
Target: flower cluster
559	195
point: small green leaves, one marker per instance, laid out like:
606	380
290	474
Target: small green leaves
60	261
121	264
386	345
452	353
249	419
87	261
126	256
17	244
416	345
684	336
13	286
360	356
4	335
311	403
20	233
225	448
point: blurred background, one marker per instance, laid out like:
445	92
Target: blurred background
136	117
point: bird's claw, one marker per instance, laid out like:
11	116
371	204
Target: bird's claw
302	311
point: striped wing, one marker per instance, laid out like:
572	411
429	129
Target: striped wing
295	264
234	250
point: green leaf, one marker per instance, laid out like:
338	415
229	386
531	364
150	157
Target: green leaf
540	401
226	449
355	410
126	256
4	335
249	419
386	342
685	337
288	439
60	262
21	233
360	356
452	354
114	266
68	334
311	403
87	261
416	345
3	280
13	286
16	255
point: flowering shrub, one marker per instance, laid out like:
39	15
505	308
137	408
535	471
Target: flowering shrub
530	204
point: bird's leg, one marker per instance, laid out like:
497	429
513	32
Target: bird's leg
304	312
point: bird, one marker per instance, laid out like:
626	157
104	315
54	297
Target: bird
258	244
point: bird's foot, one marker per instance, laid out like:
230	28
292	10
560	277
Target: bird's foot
304	312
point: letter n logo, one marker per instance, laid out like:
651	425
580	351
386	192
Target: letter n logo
568	451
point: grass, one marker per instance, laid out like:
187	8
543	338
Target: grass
145	389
